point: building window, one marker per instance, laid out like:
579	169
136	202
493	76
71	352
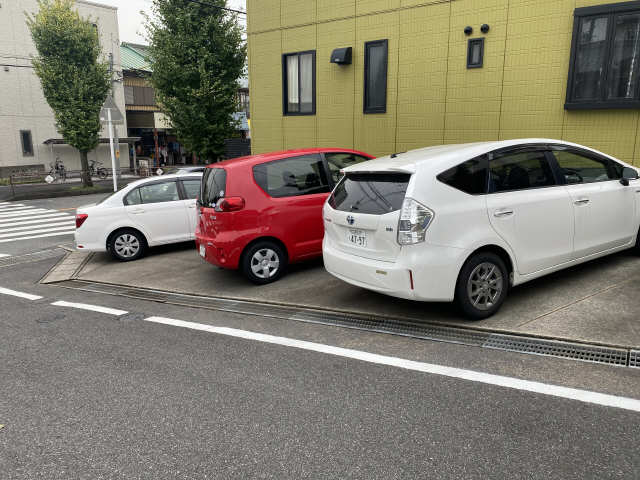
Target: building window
475	53
605	57
299	83
375	76
27	143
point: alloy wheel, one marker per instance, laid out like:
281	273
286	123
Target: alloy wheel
485	286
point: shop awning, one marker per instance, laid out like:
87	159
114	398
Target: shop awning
60	141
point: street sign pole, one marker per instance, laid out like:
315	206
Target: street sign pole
113	153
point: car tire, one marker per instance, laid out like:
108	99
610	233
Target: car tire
482	286
127	245
264	262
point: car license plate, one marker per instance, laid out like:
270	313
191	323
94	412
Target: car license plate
203	251
357	237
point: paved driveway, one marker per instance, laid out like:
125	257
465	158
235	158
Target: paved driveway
596	302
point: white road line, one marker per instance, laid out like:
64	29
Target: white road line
15	293
4	255
11	205
15	209
24	214
39	230
56	234
585	396
33	219
93	308
59	223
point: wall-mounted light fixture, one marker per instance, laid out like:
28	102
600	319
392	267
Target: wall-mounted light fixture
485	28
468	30
341	56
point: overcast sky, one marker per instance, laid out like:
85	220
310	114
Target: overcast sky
131	21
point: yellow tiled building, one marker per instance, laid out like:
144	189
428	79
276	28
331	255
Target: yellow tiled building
432	96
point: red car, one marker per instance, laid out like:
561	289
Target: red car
260	213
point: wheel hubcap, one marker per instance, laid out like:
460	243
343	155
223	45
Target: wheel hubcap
126	245
485	286
265	263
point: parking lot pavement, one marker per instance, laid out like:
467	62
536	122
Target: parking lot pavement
595	302
99	387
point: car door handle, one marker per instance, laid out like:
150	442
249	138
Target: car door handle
137	211
502	213
192	206
581	201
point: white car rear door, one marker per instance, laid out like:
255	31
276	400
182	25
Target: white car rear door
191	189
529	210
156	208
604	208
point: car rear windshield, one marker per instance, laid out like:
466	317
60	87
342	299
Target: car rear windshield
213	187
372	193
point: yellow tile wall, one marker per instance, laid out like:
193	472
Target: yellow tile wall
432	97
335	86
422	76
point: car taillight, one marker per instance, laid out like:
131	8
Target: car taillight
230	204
80	219
415	218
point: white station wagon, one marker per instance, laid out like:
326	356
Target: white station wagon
467	222
148	212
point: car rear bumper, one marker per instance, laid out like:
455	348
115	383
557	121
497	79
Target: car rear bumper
422	272
221	254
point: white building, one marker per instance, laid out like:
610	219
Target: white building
26	120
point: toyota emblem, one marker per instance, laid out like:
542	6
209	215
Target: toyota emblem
350	220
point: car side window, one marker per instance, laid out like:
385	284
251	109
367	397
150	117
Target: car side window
578	168
340	160
133	197
304	175
470	176
159	192
519	171
191	188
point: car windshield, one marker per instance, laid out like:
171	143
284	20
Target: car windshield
372	193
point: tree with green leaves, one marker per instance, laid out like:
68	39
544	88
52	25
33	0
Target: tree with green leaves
197	55
74	80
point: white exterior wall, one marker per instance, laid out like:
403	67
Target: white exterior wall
22	103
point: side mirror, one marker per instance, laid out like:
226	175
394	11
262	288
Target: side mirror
628	174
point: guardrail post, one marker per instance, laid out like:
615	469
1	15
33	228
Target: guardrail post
13	193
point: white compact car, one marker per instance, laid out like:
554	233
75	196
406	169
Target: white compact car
148	212
467	222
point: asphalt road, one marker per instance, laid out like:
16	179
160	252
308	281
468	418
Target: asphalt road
34	225
92	395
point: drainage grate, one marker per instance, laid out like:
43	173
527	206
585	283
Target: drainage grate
428	331
32	257
553	348
634	358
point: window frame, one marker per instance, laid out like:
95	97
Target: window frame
584	153
182	190
485	163
470	43
365	108
327	169
285	86
26	153
611	10
181	195
323	162
544	149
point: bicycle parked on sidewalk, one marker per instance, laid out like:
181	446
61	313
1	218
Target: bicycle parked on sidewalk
96	168
58	171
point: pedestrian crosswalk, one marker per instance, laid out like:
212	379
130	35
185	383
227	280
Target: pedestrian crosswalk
19	222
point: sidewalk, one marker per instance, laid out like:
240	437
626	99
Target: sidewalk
594	303
71	187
